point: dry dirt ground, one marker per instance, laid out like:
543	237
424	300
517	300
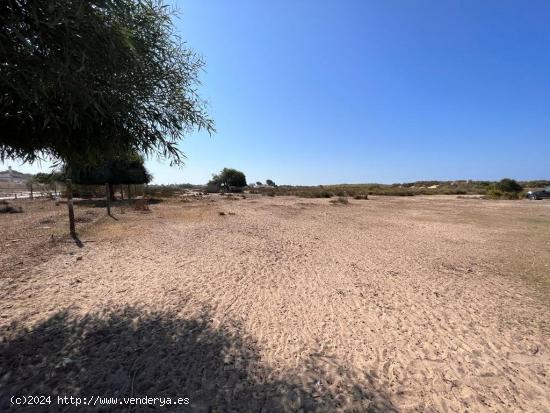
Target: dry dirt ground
424	304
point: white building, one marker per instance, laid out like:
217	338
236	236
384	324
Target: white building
13	177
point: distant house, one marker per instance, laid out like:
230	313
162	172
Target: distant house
13	177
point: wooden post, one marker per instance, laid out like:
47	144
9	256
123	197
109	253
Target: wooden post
31	192
108	198
71	209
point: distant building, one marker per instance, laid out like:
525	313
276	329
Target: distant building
13	177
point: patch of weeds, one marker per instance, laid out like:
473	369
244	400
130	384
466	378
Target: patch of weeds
339	201
325	194
495	193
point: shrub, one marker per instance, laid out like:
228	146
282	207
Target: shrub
340	200
509	185
361	196
495	193
211	188
325	194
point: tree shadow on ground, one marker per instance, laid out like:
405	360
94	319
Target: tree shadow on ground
135	353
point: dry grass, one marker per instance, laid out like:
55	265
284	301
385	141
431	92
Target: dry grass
341	200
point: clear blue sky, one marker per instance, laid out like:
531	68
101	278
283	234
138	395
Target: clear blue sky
313	92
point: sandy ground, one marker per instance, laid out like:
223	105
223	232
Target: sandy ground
424	304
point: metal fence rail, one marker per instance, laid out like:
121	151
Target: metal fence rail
17	193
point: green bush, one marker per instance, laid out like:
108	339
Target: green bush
228	179
495	193
509	185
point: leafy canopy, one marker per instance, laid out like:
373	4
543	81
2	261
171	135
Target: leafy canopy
126	169
509	185
228	178
82	81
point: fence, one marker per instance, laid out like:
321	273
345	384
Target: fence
16	191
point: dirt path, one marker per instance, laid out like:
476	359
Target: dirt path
282	304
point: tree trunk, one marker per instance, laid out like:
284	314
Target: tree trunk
108	194
111	191
129	192
121	191
72	228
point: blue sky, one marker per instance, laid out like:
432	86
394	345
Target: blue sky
318	92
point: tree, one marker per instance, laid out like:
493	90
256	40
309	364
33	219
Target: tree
128	169
269	182
49	181
258	183
227	179
509	185
81	81
84	81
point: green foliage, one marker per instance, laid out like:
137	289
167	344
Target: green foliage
228	180
406	189
269	182
81	81
495	193
48	179
323	194
509	185
127	169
